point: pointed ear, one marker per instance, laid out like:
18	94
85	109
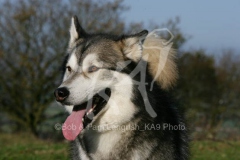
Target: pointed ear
132	45
76	31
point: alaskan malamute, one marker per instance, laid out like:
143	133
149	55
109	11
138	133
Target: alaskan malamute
116	91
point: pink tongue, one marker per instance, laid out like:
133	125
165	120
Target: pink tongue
73	125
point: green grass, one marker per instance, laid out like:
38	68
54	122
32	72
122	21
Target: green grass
215	150
26	147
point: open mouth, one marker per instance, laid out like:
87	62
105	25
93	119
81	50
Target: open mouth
96	104
83	114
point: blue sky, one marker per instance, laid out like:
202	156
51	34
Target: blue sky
214	25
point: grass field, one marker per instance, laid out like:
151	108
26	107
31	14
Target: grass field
26	147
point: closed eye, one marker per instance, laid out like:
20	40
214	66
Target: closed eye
92	69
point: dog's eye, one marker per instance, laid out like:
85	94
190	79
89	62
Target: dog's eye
69	68
92	69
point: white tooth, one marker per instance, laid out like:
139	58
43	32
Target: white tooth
83	119
90	110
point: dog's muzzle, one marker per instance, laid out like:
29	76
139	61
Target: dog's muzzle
61	94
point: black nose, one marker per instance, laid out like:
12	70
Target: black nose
61	94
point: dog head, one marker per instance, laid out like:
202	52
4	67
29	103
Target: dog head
93	84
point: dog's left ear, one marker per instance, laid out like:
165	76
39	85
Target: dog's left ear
132	45
76	31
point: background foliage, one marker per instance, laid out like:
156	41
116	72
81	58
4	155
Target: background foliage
33	39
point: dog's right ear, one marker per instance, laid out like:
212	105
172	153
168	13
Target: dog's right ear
76	31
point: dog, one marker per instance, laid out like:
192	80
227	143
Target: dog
116	90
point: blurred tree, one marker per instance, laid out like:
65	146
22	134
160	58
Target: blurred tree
33	39
209	88
29	58
228	74
198	86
